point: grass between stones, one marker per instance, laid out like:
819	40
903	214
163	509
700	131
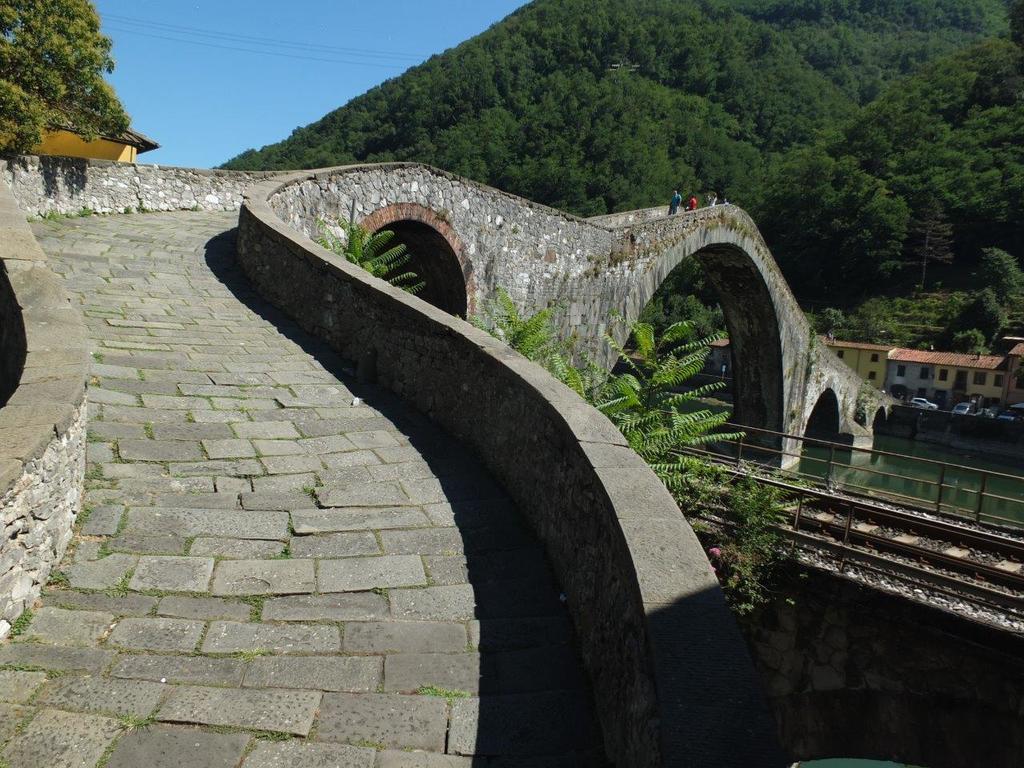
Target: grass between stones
447	694
21	623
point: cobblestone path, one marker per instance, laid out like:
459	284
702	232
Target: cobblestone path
272	573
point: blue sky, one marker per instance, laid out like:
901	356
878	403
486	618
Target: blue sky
197	76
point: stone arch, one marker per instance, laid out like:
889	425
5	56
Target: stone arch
881	416
826	416
439	255
752	322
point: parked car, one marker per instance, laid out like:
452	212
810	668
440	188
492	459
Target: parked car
1008	416
920	402
963	409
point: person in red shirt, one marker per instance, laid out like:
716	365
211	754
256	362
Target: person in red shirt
691	204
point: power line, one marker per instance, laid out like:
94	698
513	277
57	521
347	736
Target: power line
378	65
178	29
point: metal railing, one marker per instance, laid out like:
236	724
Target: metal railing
980	494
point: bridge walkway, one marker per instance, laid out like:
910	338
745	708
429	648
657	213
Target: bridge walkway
277	566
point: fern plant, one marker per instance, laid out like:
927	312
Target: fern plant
371	252
535	338
648	402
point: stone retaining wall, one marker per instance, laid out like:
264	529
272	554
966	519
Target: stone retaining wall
67	185
853	670
42	423
672	680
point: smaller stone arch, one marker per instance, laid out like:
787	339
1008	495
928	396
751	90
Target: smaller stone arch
825	417
439	255
881	417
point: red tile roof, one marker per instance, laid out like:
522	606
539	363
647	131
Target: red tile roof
1018	351
857	345
952	359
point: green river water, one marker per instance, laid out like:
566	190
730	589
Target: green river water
909	478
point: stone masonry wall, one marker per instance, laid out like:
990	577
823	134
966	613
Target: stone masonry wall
42	424
672	682
854	671
67	185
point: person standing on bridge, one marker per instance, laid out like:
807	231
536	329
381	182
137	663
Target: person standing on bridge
674	203
691	204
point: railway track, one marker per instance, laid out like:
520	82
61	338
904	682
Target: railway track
987	565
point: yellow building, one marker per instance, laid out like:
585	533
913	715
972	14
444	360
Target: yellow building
124	148
868	360
1015	375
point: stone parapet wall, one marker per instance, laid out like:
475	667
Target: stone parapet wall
67	185
672	681
42	422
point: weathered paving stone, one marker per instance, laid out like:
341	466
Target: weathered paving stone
11	716
413	722
296	755
102	695
127	605
351	459
172	574
324	673
347	544
18	687
408	672
159	450
517	633
57	626
231	448
369	495
405	637
196	670
391	758
283	465
531	724
351	606
156	634
373	439
429	541
284	483
209	522
55	658
266	430
141	544
103	521
354	574
171	746
202	608
232	485
452	603
309	521
277	447
263	577
101	574
61	740
276	709
232	637
235	549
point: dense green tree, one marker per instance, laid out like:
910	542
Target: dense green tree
52	60
1017	22
999	272
834	228
930	236
971	341
983	313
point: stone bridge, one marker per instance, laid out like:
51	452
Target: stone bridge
327	523
470	240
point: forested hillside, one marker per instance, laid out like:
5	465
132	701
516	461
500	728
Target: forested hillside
876	142
533	107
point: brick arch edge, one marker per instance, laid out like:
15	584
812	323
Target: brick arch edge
396	212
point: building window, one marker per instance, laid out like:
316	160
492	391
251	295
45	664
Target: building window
998	381
980	378
901	370
871	375
874	358
943	374
839	354
925	372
